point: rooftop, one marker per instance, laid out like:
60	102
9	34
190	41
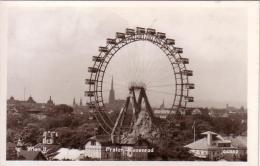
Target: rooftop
202	144
32	155
239	141
101	138
209	132
68	154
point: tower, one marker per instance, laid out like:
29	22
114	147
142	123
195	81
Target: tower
112	93
74	102
30	100
80	102
162	105
50	102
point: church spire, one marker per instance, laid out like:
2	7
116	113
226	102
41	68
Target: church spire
80	102
112	84
50	102
74	101
112	92
162	105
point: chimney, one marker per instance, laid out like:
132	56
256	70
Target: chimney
209	139
209	135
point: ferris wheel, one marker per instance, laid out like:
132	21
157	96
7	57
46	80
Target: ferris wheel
101	61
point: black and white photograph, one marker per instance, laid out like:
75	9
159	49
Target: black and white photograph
130	81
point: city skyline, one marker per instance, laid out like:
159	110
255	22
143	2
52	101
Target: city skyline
49	52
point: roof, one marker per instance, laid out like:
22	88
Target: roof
32	155
101	138
49	147
239	141
209	132
203	143
200	144
69	154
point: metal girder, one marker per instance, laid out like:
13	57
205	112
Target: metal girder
136	108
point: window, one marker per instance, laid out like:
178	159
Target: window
93	143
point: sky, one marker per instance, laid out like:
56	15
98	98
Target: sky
50	49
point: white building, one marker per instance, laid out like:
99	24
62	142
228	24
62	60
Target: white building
94	145
196	111
49	137
215	147
162	113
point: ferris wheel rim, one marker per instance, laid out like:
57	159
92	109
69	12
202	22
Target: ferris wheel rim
101	63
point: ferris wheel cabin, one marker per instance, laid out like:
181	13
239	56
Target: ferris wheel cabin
170	41
111	41
97	59
92	70
103	49
140	31
91	105
189	86
183	60
187	72
161	35
89	93
89	81
188	99
179	50
120	35
151	31
130	32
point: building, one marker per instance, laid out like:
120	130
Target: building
161	113
24	154
196	111
48	146
20	146
100	147
29	106
94	148
215	147
215	113
50	102
240	142
49	137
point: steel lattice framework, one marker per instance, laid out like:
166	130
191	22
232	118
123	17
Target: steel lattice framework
97	71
